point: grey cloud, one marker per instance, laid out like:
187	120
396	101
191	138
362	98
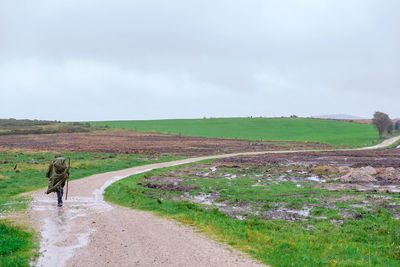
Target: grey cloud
161	59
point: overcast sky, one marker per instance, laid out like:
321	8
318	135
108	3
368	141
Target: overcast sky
109	60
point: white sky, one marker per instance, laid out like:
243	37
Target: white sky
103	60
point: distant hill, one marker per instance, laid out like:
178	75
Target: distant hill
339	117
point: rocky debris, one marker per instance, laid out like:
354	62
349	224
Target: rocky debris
369	170
367	179
343	169
369	174
389	174
364	175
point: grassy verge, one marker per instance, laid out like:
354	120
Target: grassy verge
313	227
16	245
25	171
337	133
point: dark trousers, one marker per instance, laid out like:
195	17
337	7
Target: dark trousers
60	192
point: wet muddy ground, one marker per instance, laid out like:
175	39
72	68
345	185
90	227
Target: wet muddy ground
147	143
332	186
362	158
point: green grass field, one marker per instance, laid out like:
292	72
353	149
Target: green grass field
337	133
25	171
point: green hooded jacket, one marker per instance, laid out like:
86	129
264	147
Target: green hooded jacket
58	173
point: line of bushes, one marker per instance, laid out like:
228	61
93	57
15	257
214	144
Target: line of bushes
24	127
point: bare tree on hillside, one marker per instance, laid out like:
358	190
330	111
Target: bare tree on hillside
382	123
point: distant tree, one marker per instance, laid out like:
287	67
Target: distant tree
390	128
397	125
382	122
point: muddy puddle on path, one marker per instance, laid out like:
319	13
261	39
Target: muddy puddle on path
66	229
60	234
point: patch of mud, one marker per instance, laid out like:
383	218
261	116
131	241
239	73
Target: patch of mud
149	143
240	212
162	180
170	187
194	167
230	166
237	210
332	178
283	213
202	198
355	159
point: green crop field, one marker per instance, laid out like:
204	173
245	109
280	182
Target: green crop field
337	133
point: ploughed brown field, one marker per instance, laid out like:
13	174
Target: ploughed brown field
355	159
146	143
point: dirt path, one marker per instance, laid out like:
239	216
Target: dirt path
88	231
385	143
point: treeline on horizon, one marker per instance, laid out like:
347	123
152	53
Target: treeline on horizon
26	126
12	123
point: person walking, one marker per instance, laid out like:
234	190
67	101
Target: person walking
58	173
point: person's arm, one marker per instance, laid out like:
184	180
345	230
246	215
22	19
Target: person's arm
67	171
49	170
